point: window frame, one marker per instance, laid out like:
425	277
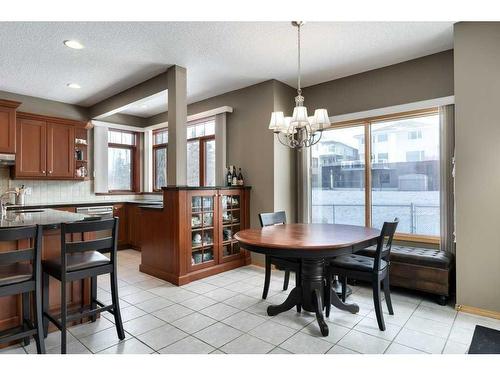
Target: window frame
135	163
367	122
202	143
153	158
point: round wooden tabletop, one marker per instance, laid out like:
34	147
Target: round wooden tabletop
306	239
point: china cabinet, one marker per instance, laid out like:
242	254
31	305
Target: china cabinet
192	237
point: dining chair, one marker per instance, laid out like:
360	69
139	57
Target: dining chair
20	273
81	260
284	264
360	267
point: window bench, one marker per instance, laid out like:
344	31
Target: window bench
426	270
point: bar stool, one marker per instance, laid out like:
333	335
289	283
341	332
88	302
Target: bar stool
19	277
80	260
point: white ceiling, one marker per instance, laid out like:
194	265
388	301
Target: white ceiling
147	107
219	56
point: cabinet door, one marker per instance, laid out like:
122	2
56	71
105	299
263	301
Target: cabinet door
121	213
134	225
202	229
7	130
31	156
232	220
60	151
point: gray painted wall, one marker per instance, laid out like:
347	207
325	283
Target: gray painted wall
477	182
249	143
424	78
47	107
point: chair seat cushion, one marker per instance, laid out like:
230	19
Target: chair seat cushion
356	262
15	273
77	261
415	255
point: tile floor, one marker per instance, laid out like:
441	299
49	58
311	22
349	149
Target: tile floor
224	314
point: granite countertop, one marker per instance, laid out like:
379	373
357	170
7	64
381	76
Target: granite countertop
85	203
204	187
50	219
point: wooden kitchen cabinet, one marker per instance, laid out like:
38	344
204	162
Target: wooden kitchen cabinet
45	147
31	156
120	211
60	150
134	226
8	126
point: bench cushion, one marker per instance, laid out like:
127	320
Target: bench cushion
415	255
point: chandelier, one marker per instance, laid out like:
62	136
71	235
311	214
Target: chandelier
299	130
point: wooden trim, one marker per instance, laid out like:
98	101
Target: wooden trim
56	120
153	158
389	117
417	238
135	176
367	123
478	311
9	103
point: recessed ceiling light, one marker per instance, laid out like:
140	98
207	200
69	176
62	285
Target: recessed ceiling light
74	86
73	44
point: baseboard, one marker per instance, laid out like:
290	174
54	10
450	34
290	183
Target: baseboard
478	311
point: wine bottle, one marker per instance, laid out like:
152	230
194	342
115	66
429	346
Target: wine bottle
240	178
234	180
229	176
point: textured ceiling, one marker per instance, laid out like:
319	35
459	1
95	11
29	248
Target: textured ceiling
219	56
147	107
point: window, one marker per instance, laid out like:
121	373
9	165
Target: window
160	146
416	134
414	155
201	153
338	185
382	157
122	161
404	179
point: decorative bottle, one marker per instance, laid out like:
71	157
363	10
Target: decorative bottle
229	176
234	180
240	178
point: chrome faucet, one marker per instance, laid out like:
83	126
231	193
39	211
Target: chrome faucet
3	201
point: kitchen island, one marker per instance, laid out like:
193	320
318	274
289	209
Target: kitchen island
50	219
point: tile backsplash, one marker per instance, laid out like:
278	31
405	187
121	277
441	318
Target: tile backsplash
45	192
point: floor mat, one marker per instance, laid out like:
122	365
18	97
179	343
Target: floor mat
485	341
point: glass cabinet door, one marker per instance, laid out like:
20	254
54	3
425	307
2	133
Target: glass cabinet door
231	222
202	229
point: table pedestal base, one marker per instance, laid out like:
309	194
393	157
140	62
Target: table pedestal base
310	295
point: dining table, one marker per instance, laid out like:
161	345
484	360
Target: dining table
314	245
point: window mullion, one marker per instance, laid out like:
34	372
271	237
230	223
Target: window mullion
368	174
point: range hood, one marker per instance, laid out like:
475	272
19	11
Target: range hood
7	159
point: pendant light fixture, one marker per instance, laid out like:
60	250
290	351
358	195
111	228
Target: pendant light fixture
299	130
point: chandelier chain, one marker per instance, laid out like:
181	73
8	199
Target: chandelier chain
299	90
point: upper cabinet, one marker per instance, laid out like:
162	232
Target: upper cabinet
31	155
60	151
46	147
8	126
